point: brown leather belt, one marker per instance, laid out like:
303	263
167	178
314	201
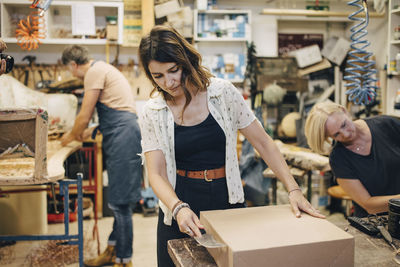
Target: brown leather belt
207	175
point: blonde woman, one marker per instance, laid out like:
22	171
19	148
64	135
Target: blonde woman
364	154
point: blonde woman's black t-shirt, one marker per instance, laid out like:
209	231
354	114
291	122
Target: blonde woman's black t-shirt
379	171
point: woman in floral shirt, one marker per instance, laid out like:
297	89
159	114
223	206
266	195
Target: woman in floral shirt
189	132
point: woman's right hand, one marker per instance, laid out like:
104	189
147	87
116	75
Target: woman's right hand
188	222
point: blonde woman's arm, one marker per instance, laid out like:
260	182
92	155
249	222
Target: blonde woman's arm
356	190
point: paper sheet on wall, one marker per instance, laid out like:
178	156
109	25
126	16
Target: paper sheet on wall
266	37
83	19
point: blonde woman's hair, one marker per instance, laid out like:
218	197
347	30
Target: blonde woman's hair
317	138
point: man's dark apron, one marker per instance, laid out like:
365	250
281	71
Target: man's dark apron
121	146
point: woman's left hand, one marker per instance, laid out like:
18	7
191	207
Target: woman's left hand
299	202
67	138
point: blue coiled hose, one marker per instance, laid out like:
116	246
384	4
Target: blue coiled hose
360	76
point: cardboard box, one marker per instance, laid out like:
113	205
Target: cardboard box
167	8
336	49
273	236
308	56
290	84
112	31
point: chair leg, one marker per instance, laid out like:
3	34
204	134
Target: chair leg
349	205
274	189
80	218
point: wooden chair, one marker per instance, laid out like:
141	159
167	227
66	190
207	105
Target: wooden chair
337	191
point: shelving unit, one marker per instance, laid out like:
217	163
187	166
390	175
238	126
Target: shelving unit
317	14
221	37
393	48
57	20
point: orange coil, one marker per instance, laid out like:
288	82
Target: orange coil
30	30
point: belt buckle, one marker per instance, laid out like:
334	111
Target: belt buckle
205	176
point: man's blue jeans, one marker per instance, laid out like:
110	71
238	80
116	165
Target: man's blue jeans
122	234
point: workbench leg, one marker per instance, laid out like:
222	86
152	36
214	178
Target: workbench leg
274	190
309	185
80	219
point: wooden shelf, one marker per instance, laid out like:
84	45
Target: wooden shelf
222	11
395	11
58	18
313	13
62	41
222	39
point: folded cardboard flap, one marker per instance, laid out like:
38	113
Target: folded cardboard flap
273	236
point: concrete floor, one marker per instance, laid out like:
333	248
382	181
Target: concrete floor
144	241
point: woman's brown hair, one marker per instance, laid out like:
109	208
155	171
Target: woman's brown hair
164	44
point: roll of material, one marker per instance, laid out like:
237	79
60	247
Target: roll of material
24	213
394	218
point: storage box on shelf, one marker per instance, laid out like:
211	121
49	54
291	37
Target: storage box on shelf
393	61
57	20
221	37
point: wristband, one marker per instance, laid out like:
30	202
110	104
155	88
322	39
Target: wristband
178	208
293	190
176	205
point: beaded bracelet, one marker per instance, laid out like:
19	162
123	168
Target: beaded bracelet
293	190
178	208
176	204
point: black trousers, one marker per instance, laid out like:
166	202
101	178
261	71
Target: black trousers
201	196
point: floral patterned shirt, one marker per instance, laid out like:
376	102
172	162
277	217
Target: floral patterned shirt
228	108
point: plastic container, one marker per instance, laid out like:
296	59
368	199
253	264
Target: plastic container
398	62
320	183
396	33
397	100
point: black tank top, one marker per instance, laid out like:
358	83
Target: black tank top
201	146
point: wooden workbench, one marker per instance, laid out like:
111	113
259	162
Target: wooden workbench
369	251
301	158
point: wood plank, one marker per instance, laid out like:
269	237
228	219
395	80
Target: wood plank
9	116
187	252
313	13
147	16
55	165
302	157
41	144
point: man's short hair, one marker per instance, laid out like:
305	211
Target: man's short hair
76	53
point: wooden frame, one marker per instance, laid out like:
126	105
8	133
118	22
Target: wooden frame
19	124
29	127
26	129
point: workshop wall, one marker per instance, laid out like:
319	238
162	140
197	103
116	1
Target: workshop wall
377	32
